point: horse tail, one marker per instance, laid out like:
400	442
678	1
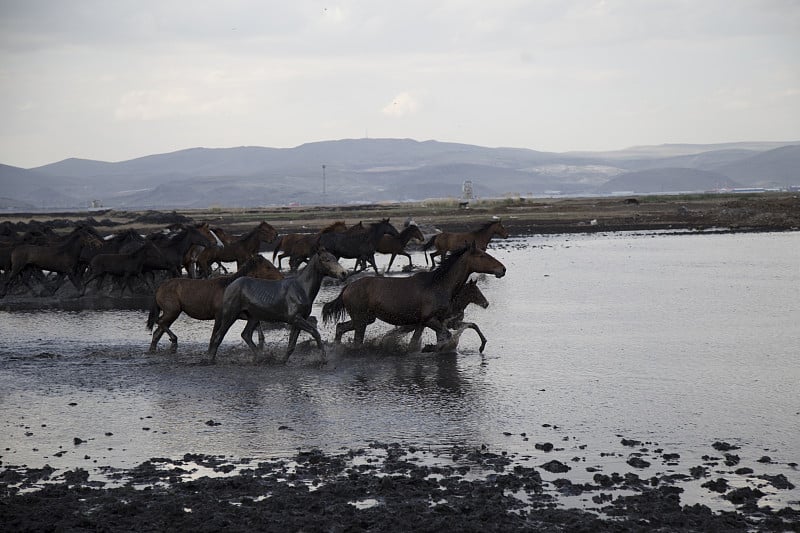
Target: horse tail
334	310
153	316
277	249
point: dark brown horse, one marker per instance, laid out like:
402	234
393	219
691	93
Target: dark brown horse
173	249
61	258
287	300
421	299
396	245
298	247
449	241
358	244
194	251
239	249
198	298
468	294
126	266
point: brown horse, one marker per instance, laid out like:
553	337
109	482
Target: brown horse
298	247
198	298
61	258
239	249
447	241
396	245
173	248
421	299
194	251
468	294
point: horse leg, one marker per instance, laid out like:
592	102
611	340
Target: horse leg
473	325
300	323
391	260
371	259
342	328
247	333
415	345
222	324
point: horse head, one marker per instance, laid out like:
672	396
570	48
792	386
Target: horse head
266	232
481	262
330	265
499	229
384	227
472	294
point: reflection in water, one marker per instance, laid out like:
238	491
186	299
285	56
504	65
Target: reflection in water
679	340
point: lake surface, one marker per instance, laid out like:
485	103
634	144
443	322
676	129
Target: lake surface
677	341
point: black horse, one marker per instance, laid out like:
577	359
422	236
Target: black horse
286	300
125	265
359	245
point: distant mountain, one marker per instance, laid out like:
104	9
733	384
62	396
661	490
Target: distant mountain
368	170
667	180
775	168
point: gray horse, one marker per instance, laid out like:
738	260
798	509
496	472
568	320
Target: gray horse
286	300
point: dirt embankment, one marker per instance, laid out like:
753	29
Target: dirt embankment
520	216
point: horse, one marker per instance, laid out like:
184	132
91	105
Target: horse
239	249
61	258
199	298
194	251
124	242
449	241
469	293
173	249
420	299
358	244
298	247
396	245
123	265
286	300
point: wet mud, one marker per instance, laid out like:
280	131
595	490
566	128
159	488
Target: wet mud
382	487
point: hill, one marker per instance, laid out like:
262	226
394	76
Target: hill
374	170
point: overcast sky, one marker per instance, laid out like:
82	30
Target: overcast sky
115	80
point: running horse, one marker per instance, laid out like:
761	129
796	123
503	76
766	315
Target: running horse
124	265
238	250
173	248
449	241
468	294
298	247
422	299
358	244
286	300
61	258
396	245
199	298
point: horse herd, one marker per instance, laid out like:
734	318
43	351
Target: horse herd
260	292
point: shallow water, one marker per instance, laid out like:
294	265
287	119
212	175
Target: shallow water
674	340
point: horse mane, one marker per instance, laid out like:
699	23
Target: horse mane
331	227
486	226
447	264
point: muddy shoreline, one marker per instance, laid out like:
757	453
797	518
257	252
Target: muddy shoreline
384	487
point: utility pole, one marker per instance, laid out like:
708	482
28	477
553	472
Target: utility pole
323	184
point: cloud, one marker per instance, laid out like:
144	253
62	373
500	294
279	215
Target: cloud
172	102
401	105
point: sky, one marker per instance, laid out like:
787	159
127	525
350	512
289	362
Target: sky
116	80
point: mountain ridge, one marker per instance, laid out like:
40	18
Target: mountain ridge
369	170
